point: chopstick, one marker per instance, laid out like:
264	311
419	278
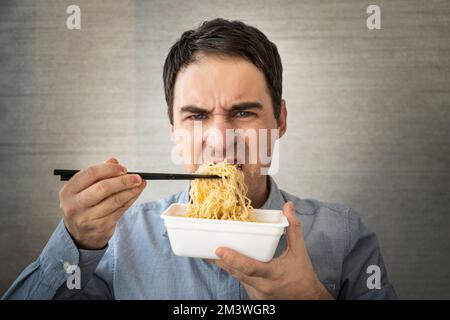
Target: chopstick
65	175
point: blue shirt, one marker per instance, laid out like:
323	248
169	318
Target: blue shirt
138	262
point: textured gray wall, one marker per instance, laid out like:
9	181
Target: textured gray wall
368	123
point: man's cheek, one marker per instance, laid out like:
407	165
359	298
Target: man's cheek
190	150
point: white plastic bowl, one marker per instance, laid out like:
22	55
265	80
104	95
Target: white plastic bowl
199	238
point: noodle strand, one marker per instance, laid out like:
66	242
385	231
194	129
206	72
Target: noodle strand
224	199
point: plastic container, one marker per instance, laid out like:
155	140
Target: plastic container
199	238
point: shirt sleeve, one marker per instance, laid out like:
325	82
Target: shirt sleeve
364	274
47	277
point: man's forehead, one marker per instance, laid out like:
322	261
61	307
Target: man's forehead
219	82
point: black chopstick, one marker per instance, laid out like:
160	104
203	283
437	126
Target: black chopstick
65	175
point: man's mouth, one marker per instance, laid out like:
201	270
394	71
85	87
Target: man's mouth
230	161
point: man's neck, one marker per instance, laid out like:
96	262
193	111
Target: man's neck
260	194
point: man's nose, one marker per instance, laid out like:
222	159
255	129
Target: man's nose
222	125
219	134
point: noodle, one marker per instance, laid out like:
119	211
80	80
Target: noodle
223	199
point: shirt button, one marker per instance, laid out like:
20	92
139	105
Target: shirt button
67	266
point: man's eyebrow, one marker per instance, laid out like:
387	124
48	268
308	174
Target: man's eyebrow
246	106
193	109
241	106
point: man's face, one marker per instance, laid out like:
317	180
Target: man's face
216	96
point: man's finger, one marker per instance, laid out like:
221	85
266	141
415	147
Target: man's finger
112	160
251	281
115	216
294	233
116	201
87	177
244	264
100	190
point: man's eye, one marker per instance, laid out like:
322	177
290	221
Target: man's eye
243	114
199	116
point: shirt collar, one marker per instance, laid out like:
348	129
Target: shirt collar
184	195
275	200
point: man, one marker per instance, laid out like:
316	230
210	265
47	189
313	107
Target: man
225	75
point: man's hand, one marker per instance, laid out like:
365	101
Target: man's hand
290	276
94	199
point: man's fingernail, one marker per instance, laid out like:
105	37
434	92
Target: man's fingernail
124	170
137	180
219	253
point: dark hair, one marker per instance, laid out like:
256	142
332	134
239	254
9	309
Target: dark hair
224	37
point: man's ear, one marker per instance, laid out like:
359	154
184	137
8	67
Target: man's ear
282	119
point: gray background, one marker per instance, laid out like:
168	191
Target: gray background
368	123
